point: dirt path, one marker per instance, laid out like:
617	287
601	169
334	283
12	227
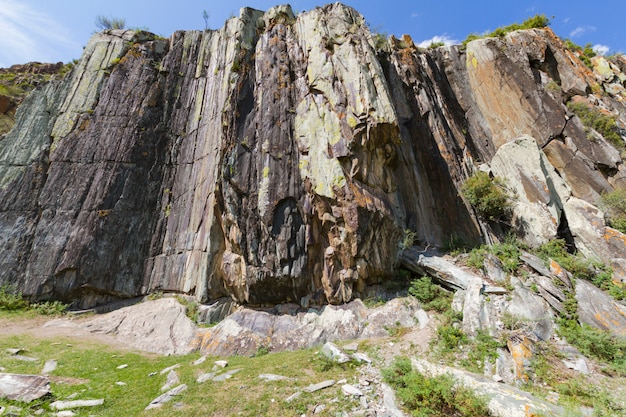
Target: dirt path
68	327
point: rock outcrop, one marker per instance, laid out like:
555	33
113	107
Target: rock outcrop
284	156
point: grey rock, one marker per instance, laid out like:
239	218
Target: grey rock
351	390
361	357
24	388
205	377
422	318
351	347
524	304
221	363
123	366
503	400
443	271
318	409
25	358
319	386
216	311
225	375
333	353
172	380
579	364
199	361
65	413
272	377
14	351
167	397
389	402
169	369
159	326
293	396
599	310
68	405
472	307
49	366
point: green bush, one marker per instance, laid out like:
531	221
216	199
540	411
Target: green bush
49	308
432	396
430	296
614	204
487	195
584	53
508	252
11	300
604	124
536	21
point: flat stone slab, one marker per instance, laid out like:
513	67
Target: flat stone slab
167	397
319	386
272	377
24	388
68	405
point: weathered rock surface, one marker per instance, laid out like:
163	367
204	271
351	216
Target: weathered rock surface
247	330
503	400
598	309
24	388
281	158
159	326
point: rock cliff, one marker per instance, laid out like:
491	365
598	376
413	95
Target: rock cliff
284	156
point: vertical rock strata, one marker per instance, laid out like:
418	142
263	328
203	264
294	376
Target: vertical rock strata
283	156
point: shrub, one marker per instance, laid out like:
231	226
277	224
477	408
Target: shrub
584	53
49	308
604	124
614	204
536	21
488	196
11	300
508	252
432	396
430	296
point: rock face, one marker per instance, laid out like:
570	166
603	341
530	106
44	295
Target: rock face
283	156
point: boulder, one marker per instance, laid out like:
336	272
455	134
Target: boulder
599	310
159	326
25	388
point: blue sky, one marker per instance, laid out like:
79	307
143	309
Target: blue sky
57	30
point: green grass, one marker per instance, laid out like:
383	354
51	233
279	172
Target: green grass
90	371
432	396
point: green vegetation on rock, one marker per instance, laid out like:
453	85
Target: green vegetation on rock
614	203
488	196
536	21
432	396
604	124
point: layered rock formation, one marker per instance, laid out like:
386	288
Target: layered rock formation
282	157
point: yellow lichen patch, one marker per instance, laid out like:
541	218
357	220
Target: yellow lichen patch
614	236
103	213
521	351
266	172
555	267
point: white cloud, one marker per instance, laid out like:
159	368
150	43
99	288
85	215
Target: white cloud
601	49
415	14
580	30
445	39
28	35
566	20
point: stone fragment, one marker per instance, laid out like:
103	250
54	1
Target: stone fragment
167	397
65	413
351	390
333	353
361	357
221	363
351	347
205	377
319	386
24	388
293	396
171	381
579	364
49	366
199	361
272	377
123	366
68	405
169	369
225	375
